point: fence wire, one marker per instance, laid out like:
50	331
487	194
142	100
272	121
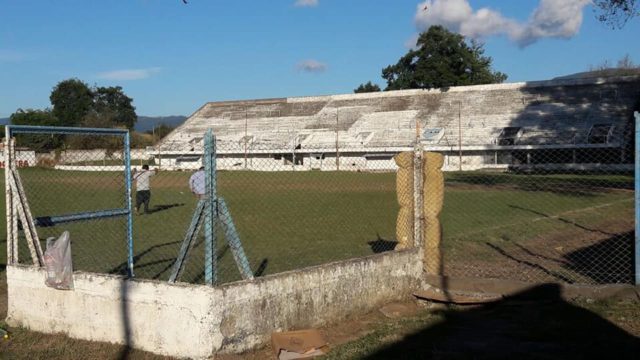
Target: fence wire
564	217
83	175
291	209
532	215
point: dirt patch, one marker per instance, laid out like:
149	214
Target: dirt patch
582	254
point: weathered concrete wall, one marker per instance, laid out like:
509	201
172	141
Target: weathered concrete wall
153	316
313	296
197	321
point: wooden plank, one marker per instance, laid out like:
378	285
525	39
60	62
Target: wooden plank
8	203
29	217
14	207
25	227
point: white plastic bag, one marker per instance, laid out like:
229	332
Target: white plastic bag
57	261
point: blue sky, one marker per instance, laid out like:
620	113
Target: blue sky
171	58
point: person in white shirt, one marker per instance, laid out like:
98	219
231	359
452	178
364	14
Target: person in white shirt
143	190
197	183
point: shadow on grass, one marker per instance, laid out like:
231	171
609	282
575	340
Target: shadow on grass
122	268
534	324
262	268
609	261
381	245
532	265
567	184
158	208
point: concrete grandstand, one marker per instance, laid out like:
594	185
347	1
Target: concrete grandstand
566	123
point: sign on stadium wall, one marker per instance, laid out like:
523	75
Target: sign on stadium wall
23	159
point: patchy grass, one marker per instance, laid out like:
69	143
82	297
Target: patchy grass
289	220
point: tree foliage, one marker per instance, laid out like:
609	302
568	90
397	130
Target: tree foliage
367	88
617	13
114	102
77	104
72	100
441	59
40	118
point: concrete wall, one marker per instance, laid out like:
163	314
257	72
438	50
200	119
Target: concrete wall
24	158
198	321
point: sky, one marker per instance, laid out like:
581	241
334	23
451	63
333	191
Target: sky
172	57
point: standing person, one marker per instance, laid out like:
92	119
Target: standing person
197	183
143	191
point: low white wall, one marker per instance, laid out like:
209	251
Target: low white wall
198	321
153	316
24	158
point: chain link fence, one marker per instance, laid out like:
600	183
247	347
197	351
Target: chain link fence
290	210
73	182
562	216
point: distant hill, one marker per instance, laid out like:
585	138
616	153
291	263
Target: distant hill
145	123
600	73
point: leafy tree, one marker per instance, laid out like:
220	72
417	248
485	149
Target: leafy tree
72	100
617	13
41	143
441	59
95	120
113	101
367	88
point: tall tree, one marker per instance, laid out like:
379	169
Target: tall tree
441	59
617	13
40	118
113	101
367	88
72	100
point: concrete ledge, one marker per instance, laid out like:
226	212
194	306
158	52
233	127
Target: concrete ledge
198	321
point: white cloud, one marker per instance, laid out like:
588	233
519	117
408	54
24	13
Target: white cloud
129	74
11	56
551	19
306	3
312	66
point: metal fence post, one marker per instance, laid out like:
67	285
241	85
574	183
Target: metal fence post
127	175
210	261
637	197
418	196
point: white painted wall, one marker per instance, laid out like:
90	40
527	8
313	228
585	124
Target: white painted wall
196	321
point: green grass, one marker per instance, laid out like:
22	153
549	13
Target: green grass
289	220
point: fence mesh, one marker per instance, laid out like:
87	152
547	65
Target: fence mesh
61	185
535	216
287	215
541	222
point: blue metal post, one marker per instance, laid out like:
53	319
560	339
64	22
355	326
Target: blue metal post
637	196
210	261
127	176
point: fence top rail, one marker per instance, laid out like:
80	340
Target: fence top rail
33	129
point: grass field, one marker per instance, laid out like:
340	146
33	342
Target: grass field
527	226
